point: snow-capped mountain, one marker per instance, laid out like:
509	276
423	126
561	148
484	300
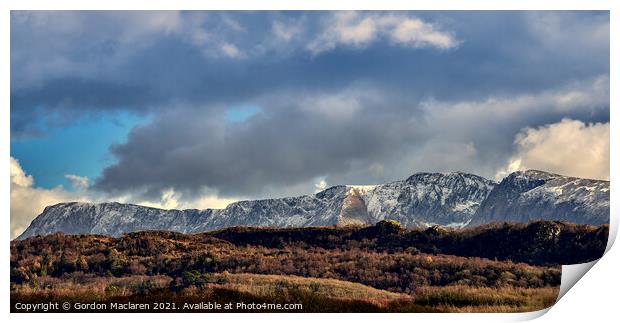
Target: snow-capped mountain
448	199
424	199
537	195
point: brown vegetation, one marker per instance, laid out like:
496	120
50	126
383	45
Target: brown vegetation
315	294
378	268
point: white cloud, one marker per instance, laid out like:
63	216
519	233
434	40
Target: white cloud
210	202
170	199
233	24
28	201
569	147
78	182
416	33
18	176
141	23
360	29
285	31
212	43
320	185
231	50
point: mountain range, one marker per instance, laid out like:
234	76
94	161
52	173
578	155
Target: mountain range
454	199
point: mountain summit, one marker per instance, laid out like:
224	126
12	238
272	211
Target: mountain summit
424	199
536	195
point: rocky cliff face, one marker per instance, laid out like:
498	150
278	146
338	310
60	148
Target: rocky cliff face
424	199
447	199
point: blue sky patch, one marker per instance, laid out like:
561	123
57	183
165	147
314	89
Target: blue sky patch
241	113
80	149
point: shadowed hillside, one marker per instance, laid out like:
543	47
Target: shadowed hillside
542	242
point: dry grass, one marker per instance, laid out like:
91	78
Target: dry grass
483	299
88	287
277	285
316	294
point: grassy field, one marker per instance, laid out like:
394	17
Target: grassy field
315	294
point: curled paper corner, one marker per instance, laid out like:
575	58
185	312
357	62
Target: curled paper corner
495	316
528	316
613	231
571	274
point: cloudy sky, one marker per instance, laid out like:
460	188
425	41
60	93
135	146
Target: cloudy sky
199	109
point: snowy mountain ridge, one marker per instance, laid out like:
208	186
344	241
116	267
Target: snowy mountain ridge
424	199
537	195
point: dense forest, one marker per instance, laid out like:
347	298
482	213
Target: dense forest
539	243
495	267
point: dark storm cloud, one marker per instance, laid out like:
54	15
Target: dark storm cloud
358	135
285	145
367	109
61	101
